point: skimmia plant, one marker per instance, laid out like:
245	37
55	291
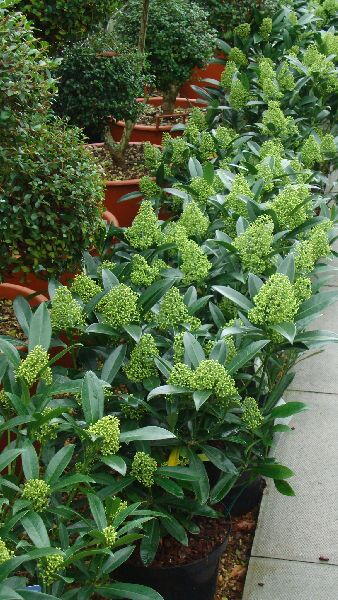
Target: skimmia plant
154	382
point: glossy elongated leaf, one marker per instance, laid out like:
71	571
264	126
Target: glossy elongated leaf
284	487
201	486
195	167
92	398
59	463
40	329
116	463
217	315
236	297
254	284
219	459
245	355
128	591
113	363
135	331
317	337
277	392
274	471
36	530
219	352
97	510
169	486
30	461
287	330
314	306
31	595
222	487
287	267
154	293
150	541
190	296
101	328
117	559
175	529
70	480
194	353
180	473
23	313
7	456
165	390
146	433
288	409
109	280
10	352
200	397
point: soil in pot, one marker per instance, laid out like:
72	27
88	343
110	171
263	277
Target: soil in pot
180	572
8	321
132	168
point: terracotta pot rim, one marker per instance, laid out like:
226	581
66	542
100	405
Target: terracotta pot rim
20	290
161	128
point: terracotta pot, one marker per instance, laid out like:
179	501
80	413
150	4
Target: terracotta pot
10	291
152	133
40	284
211	71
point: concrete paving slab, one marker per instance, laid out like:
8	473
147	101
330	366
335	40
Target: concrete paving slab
286	580
304	527
319	372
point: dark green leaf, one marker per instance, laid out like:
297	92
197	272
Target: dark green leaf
113	363
40	330
92	398
146	433
58	464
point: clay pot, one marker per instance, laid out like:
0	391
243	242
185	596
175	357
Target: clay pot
40	284
10	291
211	71
152	133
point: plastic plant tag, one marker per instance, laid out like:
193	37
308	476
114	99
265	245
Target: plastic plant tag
33	588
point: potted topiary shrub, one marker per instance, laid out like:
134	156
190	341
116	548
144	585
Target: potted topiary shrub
50	186
178	39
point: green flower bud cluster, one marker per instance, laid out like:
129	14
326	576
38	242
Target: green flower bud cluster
141	364
294	50
321	69
66	313
37	492
48	430
252	416
238	57
119	306
231	348
276	302
303	288
201	190
143	468
50	567
211	375
293	18
5	554
108	430
327	144
330	41
228	75
5	403
224	136
133	412
197	118
192	133
255	245
178	148
239	95
144	231
274	119
110	535
178	348
327	9
271	149
35	366
285	78
144	274
106	264
265	28
243	30
240	187
193	220
149	188
309	251
194	263
84	287
291	207
311	152
228	308
267	79
182	376
173	312
206	146
152	156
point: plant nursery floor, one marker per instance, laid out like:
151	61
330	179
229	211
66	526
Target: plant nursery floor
295	550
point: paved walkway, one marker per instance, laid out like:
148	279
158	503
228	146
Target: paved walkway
292	533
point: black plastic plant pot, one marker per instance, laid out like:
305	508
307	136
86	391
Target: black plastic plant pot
243	497
196	580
